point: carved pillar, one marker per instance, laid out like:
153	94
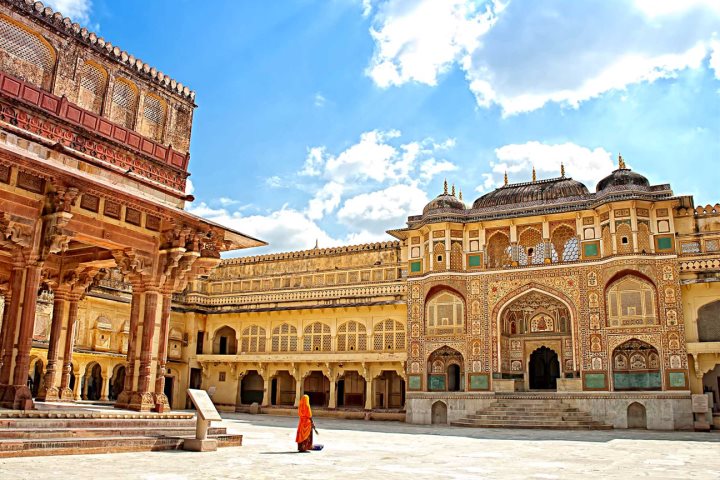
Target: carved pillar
143	399
24	338
104	389
9	326
76	393
332	402
123	399
51	392
65	392
160	396
85	386
299	389
266	389
368	393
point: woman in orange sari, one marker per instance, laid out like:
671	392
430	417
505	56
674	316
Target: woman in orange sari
304	436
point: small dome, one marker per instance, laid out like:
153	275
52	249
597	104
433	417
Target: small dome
541	190
622	177
442	202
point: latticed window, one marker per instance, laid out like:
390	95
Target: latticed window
253	339
93	81
445	314
153	117
389	335
565	243
498	250
316	338
123	103
624	238
606	241
708	322
284	338
456	256
439	256
631	302
531	247
643	237
351	336
25	54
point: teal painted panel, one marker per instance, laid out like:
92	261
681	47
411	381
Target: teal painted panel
415	266
479	382
664	243
590	250
595	380
436	383
677	379
637	381
414	382
474	260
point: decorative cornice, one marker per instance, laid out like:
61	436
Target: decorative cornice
65	25
312	253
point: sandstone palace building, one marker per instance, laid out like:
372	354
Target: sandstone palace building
605	298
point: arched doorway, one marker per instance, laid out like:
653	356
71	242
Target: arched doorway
93	382
636	366
251	388
390	388
708	322
282	389
117	382
225	341
445	370
636	416
351	390
544	369
453	374
36	379
439	413
317	387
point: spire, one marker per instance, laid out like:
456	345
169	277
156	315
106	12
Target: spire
460	195
506	180
621	162
316	243
562	170
534	175
453	190
445	187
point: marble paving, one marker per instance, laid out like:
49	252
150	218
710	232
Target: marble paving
390	450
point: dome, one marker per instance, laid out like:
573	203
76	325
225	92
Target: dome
622	177
541	190
442	202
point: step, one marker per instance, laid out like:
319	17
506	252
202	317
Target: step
88	445
93	422
93	432
537	425
483	416
107	414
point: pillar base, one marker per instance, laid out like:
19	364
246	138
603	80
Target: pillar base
161	399
141	402
123	400
51	394
16	397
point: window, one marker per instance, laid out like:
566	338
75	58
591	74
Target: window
631	302
284	338
224	342
153	117
25	54
123	103
389	335
445	314
253	339
316	338
93	81
199	343
351	337
498	250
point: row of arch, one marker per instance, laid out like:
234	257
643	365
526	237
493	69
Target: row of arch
32	58
86	383
317	337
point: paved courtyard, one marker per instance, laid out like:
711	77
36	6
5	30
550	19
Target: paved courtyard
368	450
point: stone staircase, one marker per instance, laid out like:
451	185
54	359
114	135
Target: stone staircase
37	433
529	412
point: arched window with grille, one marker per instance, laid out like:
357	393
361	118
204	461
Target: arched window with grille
565	244
624	238
531	248
253	339
606	238
93	82
351	336
316	338
498	250
284	338
26	54
631	302
445	314
123	103
153	117
389	335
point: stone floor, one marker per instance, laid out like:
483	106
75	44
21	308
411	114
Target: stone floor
369	450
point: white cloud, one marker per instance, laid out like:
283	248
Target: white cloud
189	187
325	200
715	57
319	100
523	55
581	163
382	209
77	10
432	167
371	158
274	182
314	162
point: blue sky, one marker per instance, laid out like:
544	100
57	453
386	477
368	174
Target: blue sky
333	120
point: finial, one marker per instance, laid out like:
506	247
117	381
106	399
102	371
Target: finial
534	175
460	195
506	180
452	192
621	162
445	187
562	170
316	244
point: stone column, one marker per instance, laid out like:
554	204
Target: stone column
65	392
85	386
368	393
76	392
143	399
104	389
9	325
332	403
123	399
160	396
267	390
51	392
24	339
298	389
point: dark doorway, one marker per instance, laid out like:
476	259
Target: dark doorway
117	382
168	391
195	383
251	388
453	374
36	378
341	392
544	369
223	346
273	391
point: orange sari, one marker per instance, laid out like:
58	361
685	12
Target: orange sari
303	437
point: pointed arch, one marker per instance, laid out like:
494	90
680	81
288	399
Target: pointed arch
498	250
